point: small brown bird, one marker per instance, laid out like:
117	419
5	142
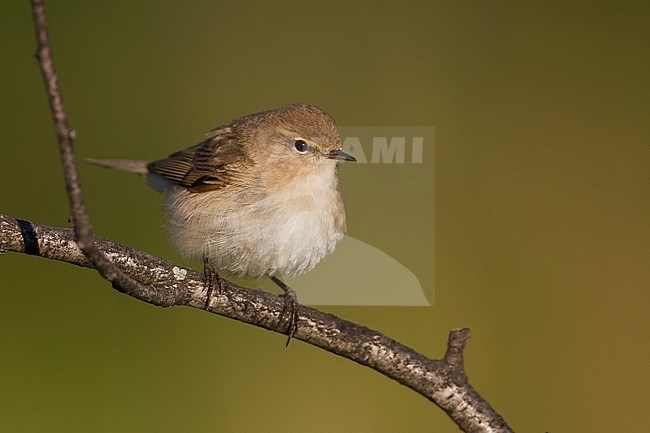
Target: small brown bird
259	197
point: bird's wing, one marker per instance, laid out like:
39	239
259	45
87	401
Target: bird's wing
213	164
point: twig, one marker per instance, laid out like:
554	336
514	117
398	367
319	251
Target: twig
65	135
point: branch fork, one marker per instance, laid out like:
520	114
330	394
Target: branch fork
163	283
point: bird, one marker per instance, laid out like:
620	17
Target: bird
258	197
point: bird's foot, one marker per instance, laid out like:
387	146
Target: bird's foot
210	279
290	309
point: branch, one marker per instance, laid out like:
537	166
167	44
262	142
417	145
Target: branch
442	381
163	283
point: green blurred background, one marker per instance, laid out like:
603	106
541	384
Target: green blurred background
541	210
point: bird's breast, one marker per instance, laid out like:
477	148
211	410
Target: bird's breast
253	234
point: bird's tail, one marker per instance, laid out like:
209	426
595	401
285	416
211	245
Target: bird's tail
130	165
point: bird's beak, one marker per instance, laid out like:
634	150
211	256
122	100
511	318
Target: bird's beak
340	155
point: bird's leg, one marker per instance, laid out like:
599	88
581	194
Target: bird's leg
290	309
210	278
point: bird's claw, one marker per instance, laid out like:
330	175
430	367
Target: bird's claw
210	279
290	314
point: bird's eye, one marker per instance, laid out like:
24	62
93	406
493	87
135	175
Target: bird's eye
301	146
